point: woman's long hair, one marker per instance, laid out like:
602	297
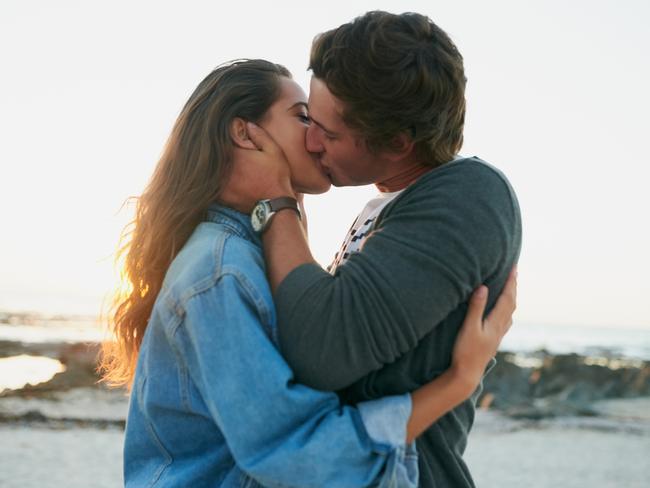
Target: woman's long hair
193	169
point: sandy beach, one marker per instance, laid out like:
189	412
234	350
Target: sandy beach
73	458
73	449
564	452
546	420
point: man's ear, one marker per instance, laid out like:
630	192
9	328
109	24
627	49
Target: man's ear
239	134
400	147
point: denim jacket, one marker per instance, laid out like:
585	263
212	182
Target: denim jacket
214	403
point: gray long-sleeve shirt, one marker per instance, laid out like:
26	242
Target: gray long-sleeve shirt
386	322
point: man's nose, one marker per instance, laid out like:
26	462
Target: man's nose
313	142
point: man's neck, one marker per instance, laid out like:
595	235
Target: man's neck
403	178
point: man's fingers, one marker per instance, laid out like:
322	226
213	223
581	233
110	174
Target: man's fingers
260	137
477	304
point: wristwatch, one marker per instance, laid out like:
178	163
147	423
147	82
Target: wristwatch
264	211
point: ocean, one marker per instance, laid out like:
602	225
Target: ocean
618	342
523	339
621	341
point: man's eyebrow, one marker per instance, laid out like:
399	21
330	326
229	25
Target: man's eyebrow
331	132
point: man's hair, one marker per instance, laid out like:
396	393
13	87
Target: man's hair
396	74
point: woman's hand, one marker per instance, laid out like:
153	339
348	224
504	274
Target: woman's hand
476	344
478	339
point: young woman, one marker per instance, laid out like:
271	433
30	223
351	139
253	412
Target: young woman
212	401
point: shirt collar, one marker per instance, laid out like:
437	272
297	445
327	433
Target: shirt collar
239	223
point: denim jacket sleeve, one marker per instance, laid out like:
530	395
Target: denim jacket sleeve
279	432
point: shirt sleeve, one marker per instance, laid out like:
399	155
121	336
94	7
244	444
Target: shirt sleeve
279	432
432	247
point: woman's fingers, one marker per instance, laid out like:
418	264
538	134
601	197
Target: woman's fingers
478	339
471	332
501	315
476	308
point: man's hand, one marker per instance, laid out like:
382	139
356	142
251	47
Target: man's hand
257	174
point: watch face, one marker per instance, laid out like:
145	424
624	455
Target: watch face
259	215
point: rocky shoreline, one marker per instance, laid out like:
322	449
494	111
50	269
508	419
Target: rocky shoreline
79	360
542	385
72	398
545	420
531	387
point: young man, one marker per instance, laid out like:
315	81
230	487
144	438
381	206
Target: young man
387	106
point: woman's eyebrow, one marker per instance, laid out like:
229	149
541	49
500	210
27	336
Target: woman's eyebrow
298	104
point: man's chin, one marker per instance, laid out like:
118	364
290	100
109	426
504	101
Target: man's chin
317	189
345	184
337	182
334	181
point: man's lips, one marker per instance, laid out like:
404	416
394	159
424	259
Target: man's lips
322	167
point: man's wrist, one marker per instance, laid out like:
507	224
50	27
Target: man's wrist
265	211
279	189
283	218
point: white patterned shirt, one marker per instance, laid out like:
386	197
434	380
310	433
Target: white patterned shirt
360	229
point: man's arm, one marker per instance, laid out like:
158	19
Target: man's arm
433	246
285	247
429	252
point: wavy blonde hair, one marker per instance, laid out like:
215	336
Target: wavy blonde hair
189	176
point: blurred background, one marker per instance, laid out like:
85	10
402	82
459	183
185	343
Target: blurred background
557	99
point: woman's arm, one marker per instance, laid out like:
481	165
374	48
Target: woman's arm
283	433
476	344
279	432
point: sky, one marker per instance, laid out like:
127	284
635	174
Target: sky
557	99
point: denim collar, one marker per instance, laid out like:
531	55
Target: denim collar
237	222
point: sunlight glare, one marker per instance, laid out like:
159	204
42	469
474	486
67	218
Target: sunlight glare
18	371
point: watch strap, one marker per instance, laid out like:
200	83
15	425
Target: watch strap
281	203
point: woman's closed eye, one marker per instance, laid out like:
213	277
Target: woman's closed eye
304	118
